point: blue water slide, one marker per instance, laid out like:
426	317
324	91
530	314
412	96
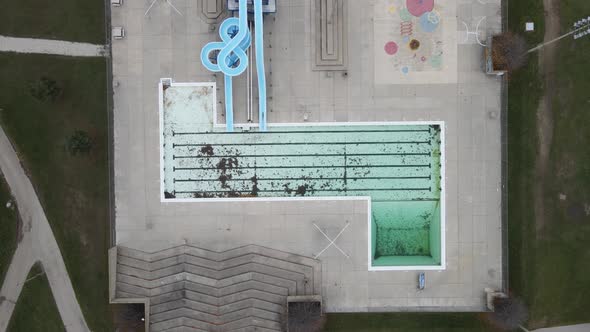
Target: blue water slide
232	59
259	40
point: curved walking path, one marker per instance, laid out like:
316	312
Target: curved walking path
37	244
569	328
545	112
48	46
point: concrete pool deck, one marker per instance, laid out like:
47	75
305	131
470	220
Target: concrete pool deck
165	44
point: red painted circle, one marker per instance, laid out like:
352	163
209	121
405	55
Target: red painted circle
390	48
419	7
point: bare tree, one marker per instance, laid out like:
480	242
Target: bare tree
509	51
79	142
306	317
45	89
509	313
132	314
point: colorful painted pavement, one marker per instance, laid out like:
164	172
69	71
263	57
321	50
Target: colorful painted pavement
415	42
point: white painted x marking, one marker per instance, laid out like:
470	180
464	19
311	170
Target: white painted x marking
332	241
167	1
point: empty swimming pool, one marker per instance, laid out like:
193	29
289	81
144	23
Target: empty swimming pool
397	166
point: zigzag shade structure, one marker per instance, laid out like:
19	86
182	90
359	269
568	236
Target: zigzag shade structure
186	288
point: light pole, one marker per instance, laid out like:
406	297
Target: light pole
581	28
582	25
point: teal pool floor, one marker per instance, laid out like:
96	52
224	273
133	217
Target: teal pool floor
387	163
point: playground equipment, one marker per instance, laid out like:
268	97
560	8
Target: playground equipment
229	57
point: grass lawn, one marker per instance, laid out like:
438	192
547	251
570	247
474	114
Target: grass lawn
36	309
8	229
562	293
522	11
522	147
73	189
72	20
548	270
524	92
407	322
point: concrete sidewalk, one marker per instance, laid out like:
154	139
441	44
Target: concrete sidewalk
569	328
47	46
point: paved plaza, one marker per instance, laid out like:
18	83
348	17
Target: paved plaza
164	43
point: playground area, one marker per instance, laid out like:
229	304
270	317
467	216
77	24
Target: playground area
415	41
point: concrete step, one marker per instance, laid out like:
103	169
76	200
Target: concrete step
208	254
246	258
168	297
150	266
132	262
254	303
151	256
149	275
252	284
221	282
254	322
239	287
184	312
226	300
170	288
185	303
176	304
122	295
246	268
252	329
255	294
138	291
286	256
291	285
315	264
180	322
151	292
217	310
307	271
271	253
216	319
247	249
198	325
150	284
185	329
250	267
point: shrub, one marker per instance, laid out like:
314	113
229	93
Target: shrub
45	89
509	313
305	317
133	313
79	142
509	51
